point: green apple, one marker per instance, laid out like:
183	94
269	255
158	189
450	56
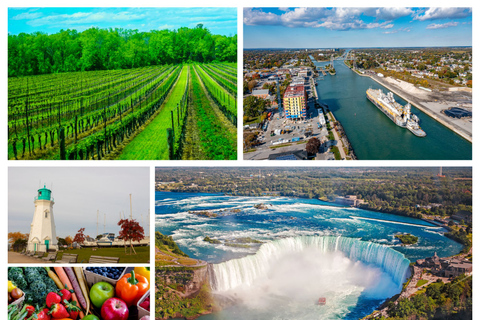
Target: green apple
90	317
101	292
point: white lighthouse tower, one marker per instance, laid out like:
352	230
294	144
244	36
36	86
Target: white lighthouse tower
43	236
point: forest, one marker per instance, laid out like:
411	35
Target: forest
111	49
452	300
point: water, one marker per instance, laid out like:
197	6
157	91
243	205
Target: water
288	288
245	271
374	136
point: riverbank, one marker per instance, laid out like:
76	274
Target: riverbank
430	103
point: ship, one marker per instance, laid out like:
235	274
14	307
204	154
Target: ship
400	115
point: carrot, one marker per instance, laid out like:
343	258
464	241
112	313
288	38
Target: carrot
54	277
66	282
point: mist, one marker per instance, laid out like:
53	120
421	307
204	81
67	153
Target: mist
286	280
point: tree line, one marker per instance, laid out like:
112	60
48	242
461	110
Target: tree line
108	49
404	191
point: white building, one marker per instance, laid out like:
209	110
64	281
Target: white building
43	236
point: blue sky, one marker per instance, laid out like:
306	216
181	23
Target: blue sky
356	27
50	20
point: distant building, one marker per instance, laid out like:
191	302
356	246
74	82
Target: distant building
447	267
466	216
295	102
260	93
458	267
303	73
349	201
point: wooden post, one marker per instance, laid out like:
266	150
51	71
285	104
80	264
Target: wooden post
173	123
61	137
76	120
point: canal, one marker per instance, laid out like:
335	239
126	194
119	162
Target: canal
372	135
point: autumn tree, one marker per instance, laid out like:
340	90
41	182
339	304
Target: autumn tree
131	231
18	240
79	237
68	240
312	145
251	84
14	236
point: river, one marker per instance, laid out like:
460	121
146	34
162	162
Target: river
282	277
372	135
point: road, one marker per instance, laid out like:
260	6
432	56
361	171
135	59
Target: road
15	257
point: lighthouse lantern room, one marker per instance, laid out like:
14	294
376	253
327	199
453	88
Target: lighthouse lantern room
43	236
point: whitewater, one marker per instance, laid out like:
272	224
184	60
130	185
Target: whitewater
309	249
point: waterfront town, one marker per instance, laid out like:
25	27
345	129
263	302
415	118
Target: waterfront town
285	118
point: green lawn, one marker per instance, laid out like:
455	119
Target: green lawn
151	143
421	282
252	120
336	152
142	256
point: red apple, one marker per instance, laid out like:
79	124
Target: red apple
114	309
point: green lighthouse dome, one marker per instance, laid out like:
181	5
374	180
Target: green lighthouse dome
44	194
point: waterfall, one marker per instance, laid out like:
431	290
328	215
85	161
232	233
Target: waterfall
244	271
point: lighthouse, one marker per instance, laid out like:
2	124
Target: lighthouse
43	236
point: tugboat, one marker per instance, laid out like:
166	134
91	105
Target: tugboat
321	301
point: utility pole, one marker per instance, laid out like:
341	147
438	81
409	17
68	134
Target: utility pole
97	222
131	214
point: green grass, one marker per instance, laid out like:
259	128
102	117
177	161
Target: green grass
151	143
253	120
421	282
336	152
280	146
142	256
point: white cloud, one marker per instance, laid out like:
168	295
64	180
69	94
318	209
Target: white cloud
442	26
78	18
392	13
443	13
253	17
27	16
334	19
303	17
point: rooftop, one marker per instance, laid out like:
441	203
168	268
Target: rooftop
293	91
260	92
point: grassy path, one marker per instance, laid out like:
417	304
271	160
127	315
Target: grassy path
192	149
151	143
217	135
